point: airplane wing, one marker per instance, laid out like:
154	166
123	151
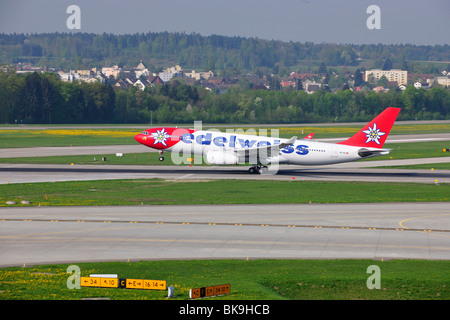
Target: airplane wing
261	154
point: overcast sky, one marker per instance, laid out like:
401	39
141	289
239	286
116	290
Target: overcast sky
422	22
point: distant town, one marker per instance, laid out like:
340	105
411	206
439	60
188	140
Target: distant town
141	77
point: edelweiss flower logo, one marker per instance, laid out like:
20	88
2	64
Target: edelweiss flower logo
373	134
160	136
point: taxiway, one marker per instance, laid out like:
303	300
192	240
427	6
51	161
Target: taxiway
38	235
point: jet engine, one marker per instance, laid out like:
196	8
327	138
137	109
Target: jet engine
221	158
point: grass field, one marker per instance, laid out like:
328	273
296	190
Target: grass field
248	279
158	191
24	138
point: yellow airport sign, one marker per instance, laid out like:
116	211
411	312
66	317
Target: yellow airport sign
155	284
123	283
90	282
99	282
209	291
109	282
134	284
142	284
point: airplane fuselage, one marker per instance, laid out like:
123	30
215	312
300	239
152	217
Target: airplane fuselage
221	148
302	152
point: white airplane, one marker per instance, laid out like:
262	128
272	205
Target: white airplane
220	148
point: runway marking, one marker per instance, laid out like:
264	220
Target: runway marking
421	217
214	242
403	228
67	231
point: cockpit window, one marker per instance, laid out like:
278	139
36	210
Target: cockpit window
145	133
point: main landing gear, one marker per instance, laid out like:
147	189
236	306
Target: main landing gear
257	168
161	158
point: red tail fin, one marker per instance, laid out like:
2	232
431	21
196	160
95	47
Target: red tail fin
374	134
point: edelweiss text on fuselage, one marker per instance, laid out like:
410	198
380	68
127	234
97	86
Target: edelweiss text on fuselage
233	141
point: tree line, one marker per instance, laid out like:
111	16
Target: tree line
43	98
221	54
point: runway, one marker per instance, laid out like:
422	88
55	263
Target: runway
41	235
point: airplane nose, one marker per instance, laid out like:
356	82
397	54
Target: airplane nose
138	137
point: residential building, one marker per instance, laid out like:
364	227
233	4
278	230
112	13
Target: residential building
154	80
311	87
165	76
67	76
380	89
303	76
443	81
286	83
85	73
142	84
419	84
121	84
90	80
169	73
22	68
175	70
112	71
141	70
199	75
401	76
141	66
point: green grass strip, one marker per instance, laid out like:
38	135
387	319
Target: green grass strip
248	279
158	191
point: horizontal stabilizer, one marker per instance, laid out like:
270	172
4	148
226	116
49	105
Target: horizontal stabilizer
364	153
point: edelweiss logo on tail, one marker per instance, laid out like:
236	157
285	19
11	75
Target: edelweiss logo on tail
370	135
373	134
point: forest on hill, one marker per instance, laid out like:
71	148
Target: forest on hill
220	54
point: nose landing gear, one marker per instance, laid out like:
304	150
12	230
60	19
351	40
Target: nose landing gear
161	158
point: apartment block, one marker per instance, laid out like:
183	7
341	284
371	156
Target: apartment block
398	75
